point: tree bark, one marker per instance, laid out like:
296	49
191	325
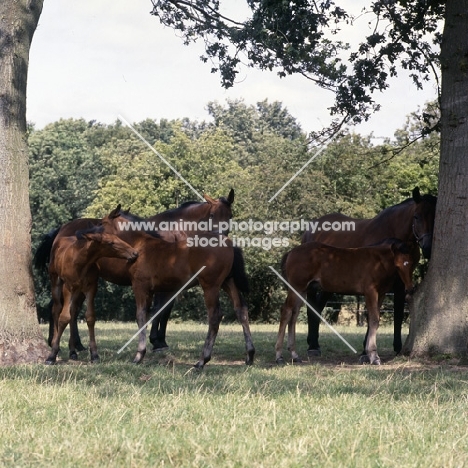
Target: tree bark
20	337
439	312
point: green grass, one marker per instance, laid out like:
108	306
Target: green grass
329	413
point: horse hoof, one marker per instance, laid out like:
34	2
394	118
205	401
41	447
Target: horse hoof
280	361
364	359
95	359
297	360
376	362
199	365
50	361
159	349
314	352
73	356
249	360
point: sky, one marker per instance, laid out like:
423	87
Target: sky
100	59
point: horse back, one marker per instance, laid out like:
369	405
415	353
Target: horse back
343	231
341	270
166	266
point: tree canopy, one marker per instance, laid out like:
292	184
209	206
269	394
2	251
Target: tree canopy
305	37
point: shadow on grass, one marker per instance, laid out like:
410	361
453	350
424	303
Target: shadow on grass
172	372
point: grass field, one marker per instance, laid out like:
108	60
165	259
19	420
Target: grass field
328	413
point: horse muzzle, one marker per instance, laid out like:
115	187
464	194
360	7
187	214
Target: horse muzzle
132	258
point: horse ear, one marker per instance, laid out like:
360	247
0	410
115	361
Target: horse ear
115	213
416	195
210	200
230	198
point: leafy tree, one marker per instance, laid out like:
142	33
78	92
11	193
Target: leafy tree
300	37
64	173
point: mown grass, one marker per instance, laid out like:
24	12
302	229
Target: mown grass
329	413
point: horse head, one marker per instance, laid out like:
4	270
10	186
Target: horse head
220	209
423	220
405	263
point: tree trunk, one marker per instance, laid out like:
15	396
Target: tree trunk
439	313
20	336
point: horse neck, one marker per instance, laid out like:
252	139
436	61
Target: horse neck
194	212
396	221
87	254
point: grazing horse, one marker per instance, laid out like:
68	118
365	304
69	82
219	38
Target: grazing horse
212	212
368	271
166	266
411	221
73	276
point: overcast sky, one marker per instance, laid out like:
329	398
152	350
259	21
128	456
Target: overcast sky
98	59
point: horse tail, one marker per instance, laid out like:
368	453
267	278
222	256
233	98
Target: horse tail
283	265
42	255
238	271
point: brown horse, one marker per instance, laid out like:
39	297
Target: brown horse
368	271
167	266
411	221
212	212
73	276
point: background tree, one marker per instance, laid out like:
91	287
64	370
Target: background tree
20	336
300	37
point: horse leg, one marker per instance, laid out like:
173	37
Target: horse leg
90	316
373	303
143	299
292	331
159	325
242	314
318	300
285	318
73	344
214	319
398	314
61	318
55	310
74	326
51	322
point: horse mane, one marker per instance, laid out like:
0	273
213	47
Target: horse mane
136	219
224	200
92	229
432	199
188	203
391	209
400	245
130	216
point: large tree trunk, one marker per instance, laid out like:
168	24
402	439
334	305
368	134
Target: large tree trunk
20	337
439	315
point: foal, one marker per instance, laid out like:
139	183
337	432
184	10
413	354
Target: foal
73	274
369	271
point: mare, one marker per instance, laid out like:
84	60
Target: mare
73	276
368	271
166	266
410	221
213	211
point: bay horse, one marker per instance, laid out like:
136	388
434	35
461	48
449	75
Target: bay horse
213	211
410	221
164	266
73	276
368	271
